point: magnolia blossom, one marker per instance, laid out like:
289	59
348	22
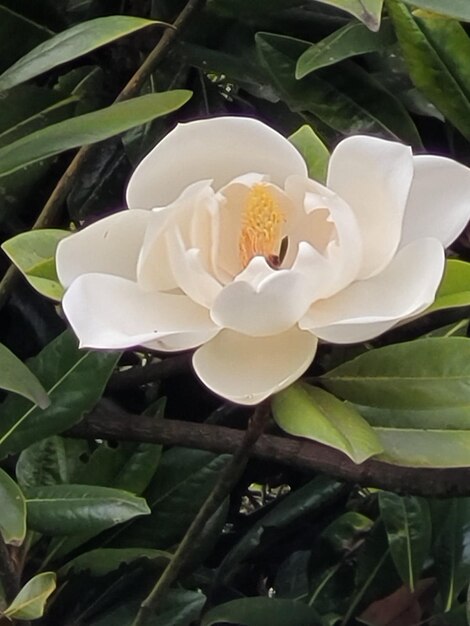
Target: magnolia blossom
229	247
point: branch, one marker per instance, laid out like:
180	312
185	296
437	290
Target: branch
135	376
51	210
105	423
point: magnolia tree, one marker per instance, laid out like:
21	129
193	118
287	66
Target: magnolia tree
244	300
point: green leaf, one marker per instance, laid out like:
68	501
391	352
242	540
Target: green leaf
70	44
104	560
13	517
454	418
348	41
454	290
262	611
33	253
314	151
89	128
407	521
436	51
458	9
311	412
368	11
68	509
16	377
29	604
428	373
13	47
74	380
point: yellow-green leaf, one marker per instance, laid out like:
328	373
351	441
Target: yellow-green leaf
29	604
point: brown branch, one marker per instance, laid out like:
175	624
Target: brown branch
141	375
53	206
104	423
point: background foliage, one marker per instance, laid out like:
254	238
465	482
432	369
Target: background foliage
88	524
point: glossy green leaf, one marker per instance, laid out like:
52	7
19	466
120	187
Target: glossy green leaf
451	551
104	560
89	128
70	44
343	533
348	41
436	51
33	253
407	521
13	515
458	9
16	377
313	413
453	418
314	151
454	290
30	603
262	611
424	374
74	380
368	11
68	509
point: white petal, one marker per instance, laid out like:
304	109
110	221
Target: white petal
110	246
249	369
406	287
439	202
373	176
220	149
110	312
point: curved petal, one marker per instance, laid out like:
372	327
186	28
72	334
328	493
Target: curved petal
247	370
109	246
439	202
373	176
221	148
406	287
111	312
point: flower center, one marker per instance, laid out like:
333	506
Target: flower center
262	219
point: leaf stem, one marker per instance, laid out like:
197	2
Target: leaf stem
227	480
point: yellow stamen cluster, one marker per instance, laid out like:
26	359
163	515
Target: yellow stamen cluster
262	220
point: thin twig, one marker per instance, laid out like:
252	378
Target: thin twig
116	424
141	375
53	206
227	480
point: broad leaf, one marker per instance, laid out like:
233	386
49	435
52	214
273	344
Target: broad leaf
313	413
262	611
16	377
74	380
68	509
454	290
89	128
407	521
368	11
33	253
70	44
29	604
424	374
458	9
314	151
453	418
104	560
13	516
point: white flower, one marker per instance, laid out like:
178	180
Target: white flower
230	248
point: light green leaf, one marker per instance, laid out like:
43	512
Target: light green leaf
313	413
348	41
428	373
458	9
33	253
16	377
104	560
368	11
436	51
74	380
29	604
68	509
89	128
407	520
314	151
262	611
70	44
13	516
454	290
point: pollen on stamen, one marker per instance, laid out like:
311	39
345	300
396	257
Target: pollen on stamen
261	225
